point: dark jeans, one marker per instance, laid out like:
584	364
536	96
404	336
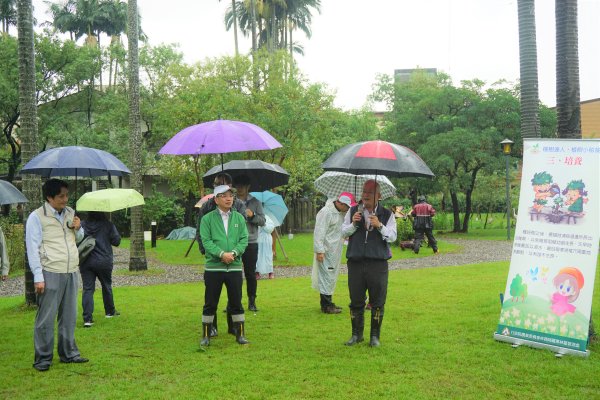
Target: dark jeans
213	282
419	235
88	277
249	259
367	275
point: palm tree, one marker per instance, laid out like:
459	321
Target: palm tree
233	20
8	14
29	127
137	258
63	18
530	120
567	70
116	24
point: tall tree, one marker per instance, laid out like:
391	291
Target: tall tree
137	260
8	14
530	103
28	132
568	107
233	19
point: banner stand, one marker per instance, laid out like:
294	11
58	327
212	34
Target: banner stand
548	295
560	351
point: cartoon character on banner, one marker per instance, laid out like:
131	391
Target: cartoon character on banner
576	196
568	283
541	183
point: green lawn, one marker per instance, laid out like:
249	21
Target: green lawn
299	251
436	344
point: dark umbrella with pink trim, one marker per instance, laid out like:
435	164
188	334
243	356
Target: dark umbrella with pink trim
379	158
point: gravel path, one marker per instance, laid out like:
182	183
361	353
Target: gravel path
473	251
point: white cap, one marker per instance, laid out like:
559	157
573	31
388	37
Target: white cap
222	189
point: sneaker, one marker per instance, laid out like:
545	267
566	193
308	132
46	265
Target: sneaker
115	314
88	324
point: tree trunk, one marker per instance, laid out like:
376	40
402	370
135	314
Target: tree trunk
530	120
137	258
455	211
235	27
29	127
568	107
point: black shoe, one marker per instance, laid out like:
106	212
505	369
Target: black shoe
354	340
42	368
115	314
75	360
330	310
88	324
374	341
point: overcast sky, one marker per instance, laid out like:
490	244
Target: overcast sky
354	40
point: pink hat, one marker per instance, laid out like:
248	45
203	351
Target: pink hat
347	198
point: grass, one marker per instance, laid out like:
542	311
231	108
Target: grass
436	344
299	251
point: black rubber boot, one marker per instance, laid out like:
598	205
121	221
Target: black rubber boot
206	327
330	298
252	304
358	327
239	333
213	329
230	326
376	321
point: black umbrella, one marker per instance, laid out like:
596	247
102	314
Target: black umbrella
10	194
379	158
263	176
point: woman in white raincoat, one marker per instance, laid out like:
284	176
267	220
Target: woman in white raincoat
327	246
264	263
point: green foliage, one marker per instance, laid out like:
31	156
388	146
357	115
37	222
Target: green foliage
15	242
405	229
162	209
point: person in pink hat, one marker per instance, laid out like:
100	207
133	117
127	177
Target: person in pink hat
327	245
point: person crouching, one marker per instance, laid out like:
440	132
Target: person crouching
225	238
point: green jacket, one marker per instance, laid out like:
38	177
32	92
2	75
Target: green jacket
216	241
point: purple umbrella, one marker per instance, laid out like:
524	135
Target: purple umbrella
220	136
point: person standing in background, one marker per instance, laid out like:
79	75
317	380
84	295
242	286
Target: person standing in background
328	245
255	218
264	263
423	213
4	261
99	264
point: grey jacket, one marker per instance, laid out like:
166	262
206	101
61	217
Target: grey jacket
258	219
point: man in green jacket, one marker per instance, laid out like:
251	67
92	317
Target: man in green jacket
225	238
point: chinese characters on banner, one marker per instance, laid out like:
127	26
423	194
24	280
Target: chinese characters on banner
548	297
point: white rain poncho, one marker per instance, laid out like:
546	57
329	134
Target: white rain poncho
328	240
264	262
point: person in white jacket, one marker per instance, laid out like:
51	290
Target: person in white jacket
4	261
327	245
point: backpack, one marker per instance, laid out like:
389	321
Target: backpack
85	247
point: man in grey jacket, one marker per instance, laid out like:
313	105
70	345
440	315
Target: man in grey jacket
255	217
51	235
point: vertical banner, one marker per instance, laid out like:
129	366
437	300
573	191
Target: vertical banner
548	297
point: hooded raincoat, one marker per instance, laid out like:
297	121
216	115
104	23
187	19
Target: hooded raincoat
328	240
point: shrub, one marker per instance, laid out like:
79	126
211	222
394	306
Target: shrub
167	213
405	229
15	242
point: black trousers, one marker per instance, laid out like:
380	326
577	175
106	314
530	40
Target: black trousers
419	235
367	275
88	278
249	259
213	284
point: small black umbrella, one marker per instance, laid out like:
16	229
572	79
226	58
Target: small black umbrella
10	194
378	157
263	175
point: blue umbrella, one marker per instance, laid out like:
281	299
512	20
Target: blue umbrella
273	205
75	161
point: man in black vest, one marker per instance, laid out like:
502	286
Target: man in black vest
370	228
